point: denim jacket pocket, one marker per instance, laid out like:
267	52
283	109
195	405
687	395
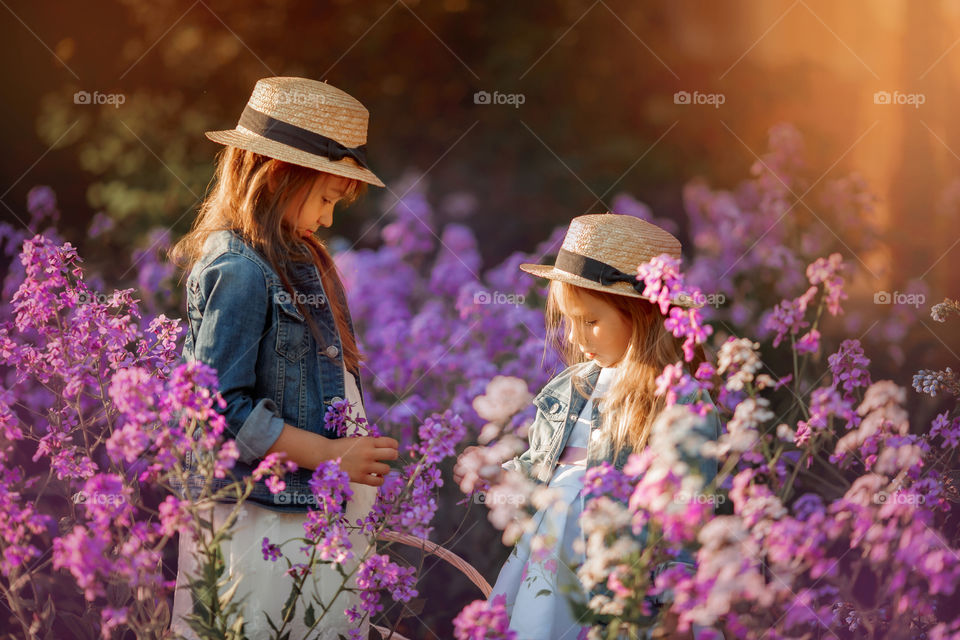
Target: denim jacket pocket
292	341
550	416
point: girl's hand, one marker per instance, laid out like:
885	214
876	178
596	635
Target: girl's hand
360	457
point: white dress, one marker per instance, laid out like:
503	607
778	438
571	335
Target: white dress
535	583
263	582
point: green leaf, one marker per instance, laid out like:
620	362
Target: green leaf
309	616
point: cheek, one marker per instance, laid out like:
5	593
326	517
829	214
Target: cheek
621	335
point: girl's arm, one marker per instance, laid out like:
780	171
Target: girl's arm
359	457
231	298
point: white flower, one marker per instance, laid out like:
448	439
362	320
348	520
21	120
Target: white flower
740	357
484	463
883	411
674	436
784	432
893	460
507	503
504	397
742	431
881	394
601	557
604	515
489	431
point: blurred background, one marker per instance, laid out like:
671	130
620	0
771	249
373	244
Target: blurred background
515	116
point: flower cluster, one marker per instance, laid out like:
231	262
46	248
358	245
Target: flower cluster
484	620
379	573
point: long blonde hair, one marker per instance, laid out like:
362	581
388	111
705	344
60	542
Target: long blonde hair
630	407
249	196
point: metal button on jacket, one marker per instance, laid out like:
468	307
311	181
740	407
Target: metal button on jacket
332	351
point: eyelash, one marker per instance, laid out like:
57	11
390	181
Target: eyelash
590	322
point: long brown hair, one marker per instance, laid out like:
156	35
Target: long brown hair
249	195
630	407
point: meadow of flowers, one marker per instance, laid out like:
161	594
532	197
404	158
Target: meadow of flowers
833	514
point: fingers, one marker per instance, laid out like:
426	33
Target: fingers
385	454
368	479
380	469
386	442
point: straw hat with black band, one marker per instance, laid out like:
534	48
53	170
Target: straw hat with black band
307	123
602	252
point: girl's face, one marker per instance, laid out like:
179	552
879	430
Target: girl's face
600	331
313	208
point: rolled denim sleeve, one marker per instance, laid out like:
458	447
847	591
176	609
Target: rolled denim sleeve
522	463
233	313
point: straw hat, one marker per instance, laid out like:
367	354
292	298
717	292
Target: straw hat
602	252
304	122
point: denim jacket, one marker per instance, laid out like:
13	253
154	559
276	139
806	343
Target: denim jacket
244	324
559	405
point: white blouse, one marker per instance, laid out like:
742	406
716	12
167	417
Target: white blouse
580	436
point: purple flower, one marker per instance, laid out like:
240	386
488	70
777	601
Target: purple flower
270	551
605	479
274	466
787	318
688	324
174	516
377	573
674	382
947	429
849	367
662	280
331	486
81	553
827	271
439	436
484	620
809	343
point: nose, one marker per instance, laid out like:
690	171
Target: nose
326	216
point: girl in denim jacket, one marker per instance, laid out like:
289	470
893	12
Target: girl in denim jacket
601	408
267	310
